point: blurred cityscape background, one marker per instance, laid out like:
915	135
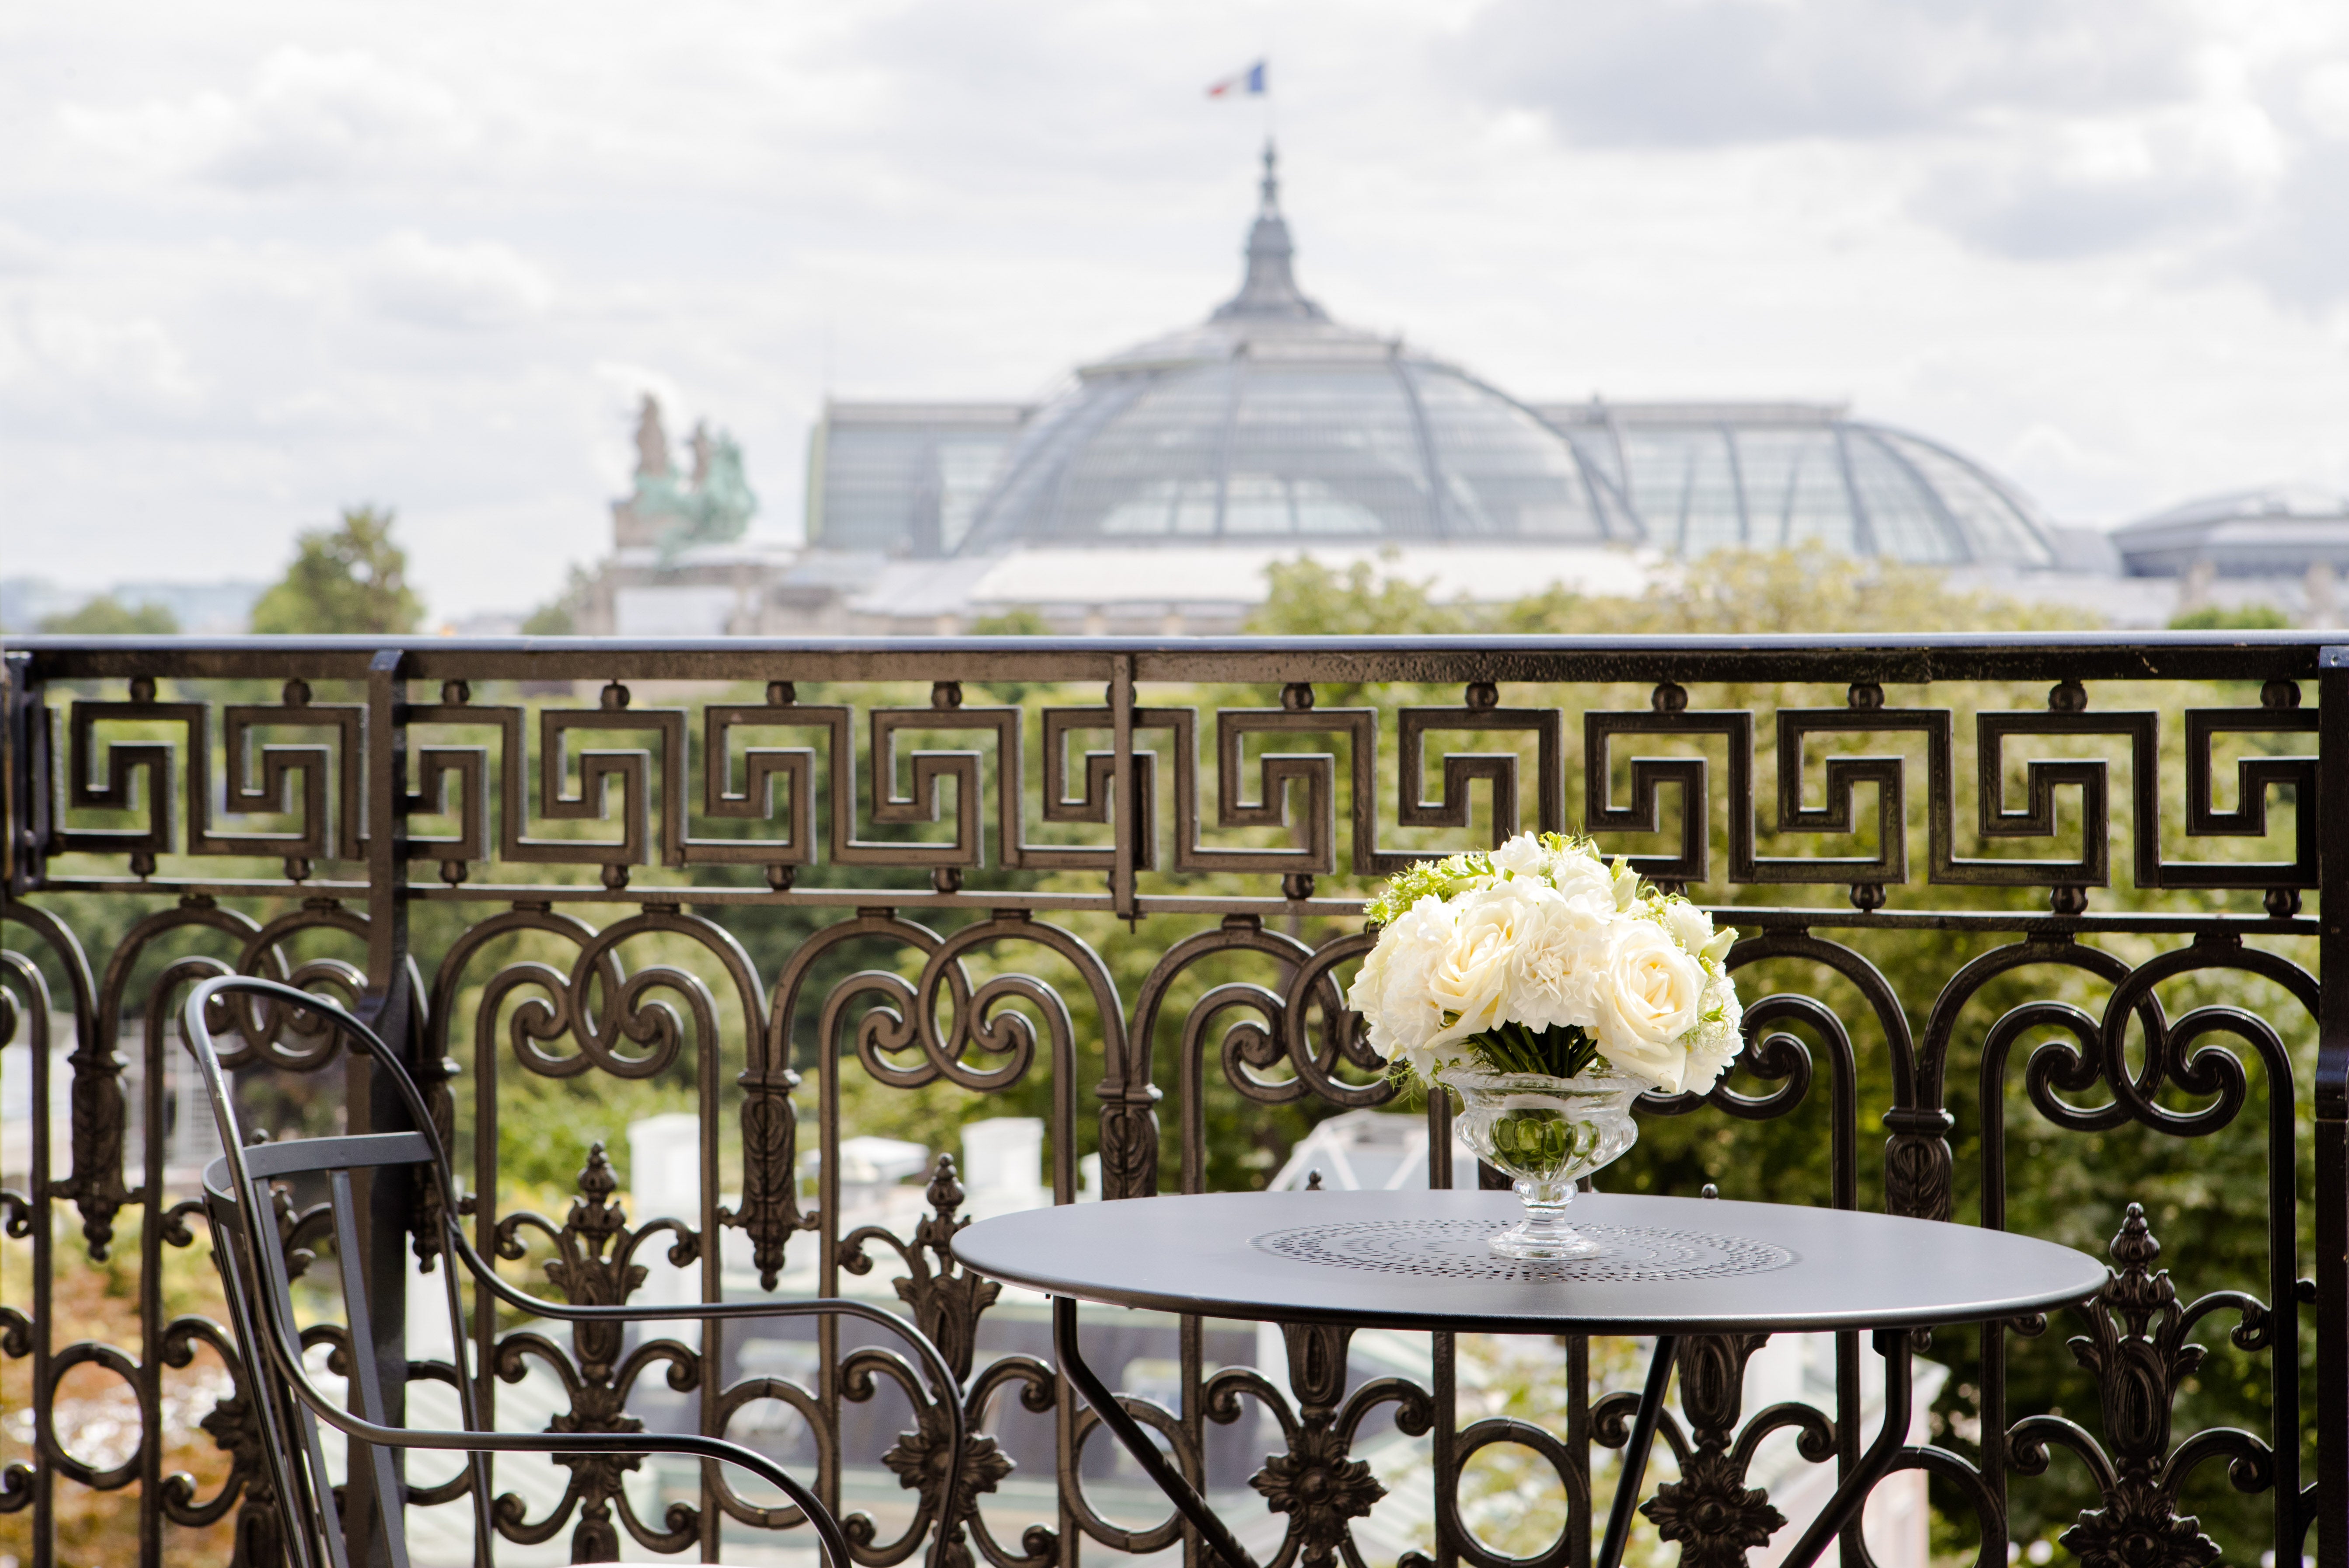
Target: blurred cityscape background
774	324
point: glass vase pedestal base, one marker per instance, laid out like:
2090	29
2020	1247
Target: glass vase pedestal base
1544	1234
1546	1133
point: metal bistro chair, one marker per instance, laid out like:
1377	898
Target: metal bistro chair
287	1406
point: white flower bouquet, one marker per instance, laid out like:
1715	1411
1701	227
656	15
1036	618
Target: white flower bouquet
1546	988
1540	958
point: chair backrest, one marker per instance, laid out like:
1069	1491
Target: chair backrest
288	1406
262	1294
258	1278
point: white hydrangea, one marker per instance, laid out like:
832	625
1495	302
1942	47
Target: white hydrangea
1556	963
1524	856
1715	1041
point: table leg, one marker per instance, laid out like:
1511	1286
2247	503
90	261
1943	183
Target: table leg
1179	1491
1843	1508
1635	1454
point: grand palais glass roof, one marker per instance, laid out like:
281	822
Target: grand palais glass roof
1271	424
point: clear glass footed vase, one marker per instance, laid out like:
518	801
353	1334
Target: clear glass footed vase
1547	1133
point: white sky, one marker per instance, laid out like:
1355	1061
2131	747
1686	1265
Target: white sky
260	260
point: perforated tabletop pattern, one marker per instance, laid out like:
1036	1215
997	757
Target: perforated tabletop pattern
1455	1249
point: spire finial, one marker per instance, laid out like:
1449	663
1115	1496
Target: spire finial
1269	288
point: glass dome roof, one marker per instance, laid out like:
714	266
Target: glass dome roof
1269	422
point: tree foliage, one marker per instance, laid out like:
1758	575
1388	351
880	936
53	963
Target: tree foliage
107	616
348	578
1020	621
1310	600
1730	591
559	616
2231	618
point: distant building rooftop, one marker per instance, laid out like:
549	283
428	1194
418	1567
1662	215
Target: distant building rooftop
1272	423
2280	531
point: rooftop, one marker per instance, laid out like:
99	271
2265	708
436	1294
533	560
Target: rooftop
1270	422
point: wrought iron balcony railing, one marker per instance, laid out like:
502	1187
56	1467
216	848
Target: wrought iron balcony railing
2036	907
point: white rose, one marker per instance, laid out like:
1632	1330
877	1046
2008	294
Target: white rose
1690	926
1647	995
1522	856
1470	979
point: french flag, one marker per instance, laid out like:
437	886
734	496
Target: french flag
1249	81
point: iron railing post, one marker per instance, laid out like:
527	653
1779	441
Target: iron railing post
1125	814
24	777
386	1007
2332	1129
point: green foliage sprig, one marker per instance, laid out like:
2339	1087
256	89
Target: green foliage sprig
1452	874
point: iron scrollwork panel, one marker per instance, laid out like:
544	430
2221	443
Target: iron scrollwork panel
949	1002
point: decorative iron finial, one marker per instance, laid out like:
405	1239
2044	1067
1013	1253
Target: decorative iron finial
1272	186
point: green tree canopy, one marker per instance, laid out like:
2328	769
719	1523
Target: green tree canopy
351	578
2240	618
1309	599
107	616
1737	592
559	616
1022	620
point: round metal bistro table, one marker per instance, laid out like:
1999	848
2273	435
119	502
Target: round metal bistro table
1417	1260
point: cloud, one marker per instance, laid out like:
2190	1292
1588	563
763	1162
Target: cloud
23	254
55	357
2085	188
2211	140
480	286
1699	73
305	118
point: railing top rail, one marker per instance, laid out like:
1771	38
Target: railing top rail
1886	658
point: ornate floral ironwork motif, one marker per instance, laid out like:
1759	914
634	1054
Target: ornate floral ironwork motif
919	1459
770	1210
924	840
594	1266
1318	1487
1316	1481
260	1527
946	1301
98	1120
2137	1348
1710	1510
946	1298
